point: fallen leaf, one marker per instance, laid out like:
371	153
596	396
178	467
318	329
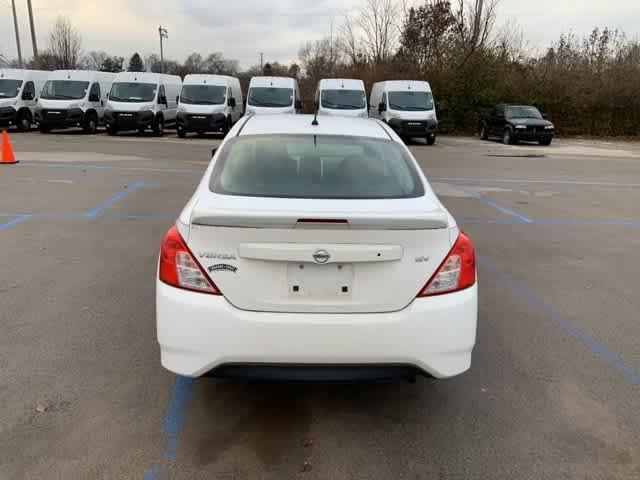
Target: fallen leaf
307	442
40	408
306	467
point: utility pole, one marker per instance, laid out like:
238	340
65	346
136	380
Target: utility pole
261	62
15	25
331	46
33	31
163	34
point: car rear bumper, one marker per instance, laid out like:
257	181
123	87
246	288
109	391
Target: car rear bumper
197	122
7	116
204	334
60	118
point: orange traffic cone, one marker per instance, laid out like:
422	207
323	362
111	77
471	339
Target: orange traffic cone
6	154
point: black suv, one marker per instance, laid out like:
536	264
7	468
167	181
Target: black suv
513	123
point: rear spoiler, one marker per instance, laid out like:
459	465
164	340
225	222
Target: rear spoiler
315	220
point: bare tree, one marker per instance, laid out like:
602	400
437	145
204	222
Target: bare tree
349	42
378	22
65	44
474	24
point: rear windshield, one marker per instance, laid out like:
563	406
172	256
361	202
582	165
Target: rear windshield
203	94
315	166
341	99
270	97
9	88
64	90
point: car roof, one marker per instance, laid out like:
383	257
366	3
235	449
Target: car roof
337	83
201	78
279	124
271	82
404	85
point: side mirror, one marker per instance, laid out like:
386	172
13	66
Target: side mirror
107	96
232	102
213	151
178	99
382	107
94	98
298	105
163	101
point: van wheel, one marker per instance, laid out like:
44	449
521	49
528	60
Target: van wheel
91	124
182	133
24	121
227	127
158	127
431	139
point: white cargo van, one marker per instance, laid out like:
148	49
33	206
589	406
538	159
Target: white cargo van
73	98
141	101
341	96
407	106
19	90
273	95
209	103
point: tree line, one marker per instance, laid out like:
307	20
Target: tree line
586	86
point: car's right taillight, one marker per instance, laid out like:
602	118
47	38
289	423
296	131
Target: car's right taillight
179	268
457	271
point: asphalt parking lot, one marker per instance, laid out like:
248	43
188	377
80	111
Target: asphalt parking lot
554	389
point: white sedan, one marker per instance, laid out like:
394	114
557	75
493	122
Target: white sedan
315	252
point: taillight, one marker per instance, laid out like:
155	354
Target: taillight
457	272
179	268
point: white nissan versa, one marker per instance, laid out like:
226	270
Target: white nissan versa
315	251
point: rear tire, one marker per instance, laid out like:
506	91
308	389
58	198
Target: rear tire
545	142
24	121
431	140
483	133
182	133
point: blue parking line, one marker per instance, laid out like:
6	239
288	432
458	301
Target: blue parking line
103	206
172	425
614	360
478	196
113	167
15	221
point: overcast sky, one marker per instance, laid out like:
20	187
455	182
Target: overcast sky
241	29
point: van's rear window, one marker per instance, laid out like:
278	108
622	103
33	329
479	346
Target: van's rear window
315	166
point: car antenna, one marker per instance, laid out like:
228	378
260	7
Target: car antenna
315	117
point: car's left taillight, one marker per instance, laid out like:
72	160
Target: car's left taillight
457	271
179	268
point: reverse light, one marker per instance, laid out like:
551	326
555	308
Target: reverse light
179	268
457	271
